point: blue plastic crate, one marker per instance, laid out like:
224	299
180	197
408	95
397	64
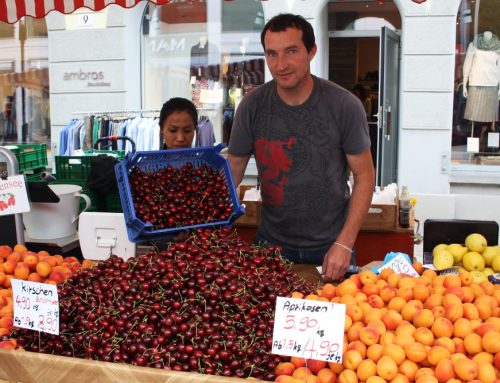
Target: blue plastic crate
140	231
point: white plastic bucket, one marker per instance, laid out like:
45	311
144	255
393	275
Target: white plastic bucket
56	220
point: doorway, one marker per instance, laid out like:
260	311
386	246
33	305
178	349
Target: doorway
364	54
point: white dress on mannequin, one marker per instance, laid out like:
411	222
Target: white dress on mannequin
481	78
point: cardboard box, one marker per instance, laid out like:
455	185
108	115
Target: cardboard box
252	209
26	367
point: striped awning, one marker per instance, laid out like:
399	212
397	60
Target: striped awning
12	10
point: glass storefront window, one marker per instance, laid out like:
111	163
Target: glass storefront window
208	52
24	82
476	130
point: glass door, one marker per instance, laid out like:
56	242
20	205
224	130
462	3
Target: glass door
387	139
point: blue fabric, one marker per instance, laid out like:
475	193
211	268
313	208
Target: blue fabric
314	257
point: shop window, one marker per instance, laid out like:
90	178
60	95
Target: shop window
209	52
476	127
24	82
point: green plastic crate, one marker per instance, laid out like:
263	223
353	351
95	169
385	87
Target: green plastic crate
76	170
30	156
78	167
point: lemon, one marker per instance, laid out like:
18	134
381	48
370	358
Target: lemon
478	276
495	264
489	253
438	248
473	261
488	271
476	242
443	260
458	251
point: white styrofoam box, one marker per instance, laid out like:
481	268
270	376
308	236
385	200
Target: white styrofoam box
101	234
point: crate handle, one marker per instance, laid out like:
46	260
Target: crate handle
115	138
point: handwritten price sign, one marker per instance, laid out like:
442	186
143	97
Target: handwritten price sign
400	266
36	306
309	329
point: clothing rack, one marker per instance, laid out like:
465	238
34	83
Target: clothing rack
116	112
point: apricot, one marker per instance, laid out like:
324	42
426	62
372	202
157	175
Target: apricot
465	369
482	357
369	335
424	336
287	379
483	307
366	368
386	367
442	327
411	308
406	293
297	361
434	300
436	353
7	322
325	375
453	311
352	359
491	342
395	351
444	371
328	290
461	327
421	292
284	368
43	268
408	369
9	266
424	318
445	342
384	273
387	338
374	352
375	379
346	287
396	304
21	271
375	301
301	373
392	319
470	311
347	376
5	250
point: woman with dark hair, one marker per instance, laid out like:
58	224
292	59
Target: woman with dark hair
360	92
178	120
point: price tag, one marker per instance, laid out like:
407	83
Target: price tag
13	196
309	329
400	266
36	306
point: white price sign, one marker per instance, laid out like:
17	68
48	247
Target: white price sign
400	266
309	329
36	306
13	195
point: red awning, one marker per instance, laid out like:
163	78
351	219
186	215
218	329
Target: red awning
12	10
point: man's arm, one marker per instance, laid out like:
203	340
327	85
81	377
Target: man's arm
337	259
238	166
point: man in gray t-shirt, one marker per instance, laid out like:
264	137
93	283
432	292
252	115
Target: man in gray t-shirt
306	134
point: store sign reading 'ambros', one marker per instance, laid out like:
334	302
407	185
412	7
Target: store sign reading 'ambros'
92	78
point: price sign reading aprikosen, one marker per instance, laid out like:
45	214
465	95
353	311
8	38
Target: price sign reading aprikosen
36	306
309	329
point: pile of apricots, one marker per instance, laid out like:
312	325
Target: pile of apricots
20	263
401	329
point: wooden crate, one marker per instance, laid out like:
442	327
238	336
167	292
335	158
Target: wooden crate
381	217
26	367
252	209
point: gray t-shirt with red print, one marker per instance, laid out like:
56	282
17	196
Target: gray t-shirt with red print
300	153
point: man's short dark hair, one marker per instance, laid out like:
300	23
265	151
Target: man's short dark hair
178	104
284	21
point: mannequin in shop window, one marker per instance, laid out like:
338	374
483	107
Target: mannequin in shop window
481	78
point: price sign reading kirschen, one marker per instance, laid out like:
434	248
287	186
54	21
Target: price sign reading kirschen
309	329
36	306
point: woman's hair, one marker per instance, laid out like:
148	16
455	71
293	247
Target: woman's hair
361	90
178	104
284	21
